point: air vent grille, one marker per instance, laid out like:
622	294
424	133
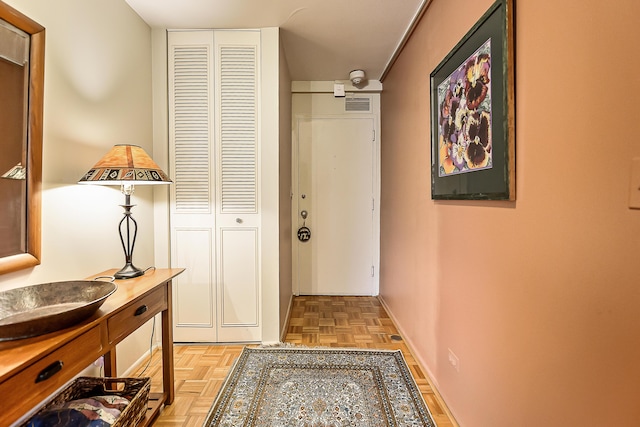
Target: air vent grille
357	104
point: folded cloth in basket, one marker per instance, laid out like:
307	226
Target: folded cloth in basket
96	411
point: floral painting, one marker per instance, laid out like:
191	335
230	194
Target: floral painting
472	112
464	116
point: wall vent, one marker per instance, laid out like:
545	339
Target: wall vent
357	104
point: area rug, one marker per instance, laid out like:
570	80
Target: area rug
307	387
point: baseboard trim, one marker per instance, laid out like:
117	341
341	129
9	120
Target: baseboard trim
427	372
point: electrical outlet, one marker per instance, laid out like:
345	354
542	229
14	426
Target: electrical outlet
453	359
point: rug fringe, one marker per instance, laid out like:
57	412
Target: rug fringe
280	345
289	345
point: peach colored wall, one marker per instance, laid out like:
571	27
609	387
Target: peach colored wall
539	298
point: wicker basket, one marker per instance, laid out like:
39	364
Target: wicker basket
136	390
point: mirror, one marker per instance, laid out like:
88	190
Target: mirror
21	104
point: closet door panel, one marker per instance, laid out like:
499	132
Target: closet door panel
239	309
237	91
194	314
191	148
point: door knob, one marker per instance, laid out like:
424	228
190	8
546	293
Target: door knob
239	220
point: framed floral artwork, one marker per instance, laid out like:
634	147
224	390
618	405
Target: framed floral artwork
472	112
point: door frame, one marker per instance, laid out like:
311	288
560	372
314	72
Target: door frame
374	115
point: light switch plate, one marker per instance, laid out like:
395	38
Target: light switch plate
338	90
634	184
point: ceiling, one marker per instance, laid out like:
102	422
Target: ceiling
322	39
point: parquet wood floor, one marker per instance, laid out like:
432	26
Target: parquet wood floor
344	322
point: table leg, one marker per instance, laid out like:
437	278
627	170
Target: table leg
110	367
167	348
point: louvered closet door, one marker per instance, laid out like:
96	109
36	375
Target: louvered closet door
237	56
213	97
193	226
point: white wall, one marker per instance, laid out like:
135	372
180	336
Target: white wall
97	94
269	184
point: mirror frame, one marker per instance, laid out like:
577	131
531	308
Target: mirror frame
34	140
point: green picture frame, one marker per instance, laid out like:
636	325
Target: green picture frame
473	113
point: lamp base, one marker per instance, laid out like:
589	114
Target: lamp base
129	271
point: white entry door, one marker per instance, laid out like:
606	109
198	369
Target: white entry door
335	189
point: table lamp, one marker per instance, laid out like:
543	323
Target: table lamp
126	165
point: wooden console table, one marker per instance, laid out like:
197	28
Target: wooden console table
133	304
